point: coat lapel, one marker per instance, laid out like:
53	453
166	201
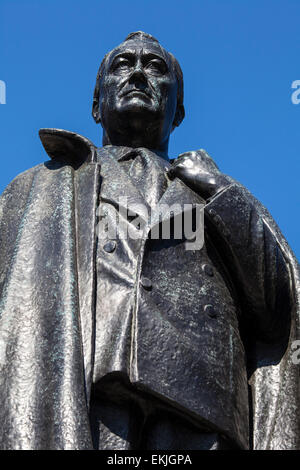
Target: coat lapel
176	199
87	187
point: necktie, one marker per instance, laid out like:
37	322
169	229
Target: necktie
148	172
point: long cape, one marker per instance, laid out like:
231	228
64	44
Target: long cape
46	335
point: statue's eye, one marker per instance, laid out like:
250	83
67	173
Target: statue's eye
121	64
156	66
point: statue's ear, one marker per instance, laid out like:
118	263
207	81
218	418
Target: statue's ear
95	111
179	115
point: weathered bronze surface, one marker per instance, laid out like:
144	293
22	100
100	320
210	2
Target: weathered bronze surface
139	343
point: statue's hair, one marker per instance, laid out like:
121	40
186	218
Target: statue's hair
140	35
177	70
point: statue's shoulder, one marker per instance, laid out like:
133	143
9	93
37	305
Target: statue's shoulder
61	146
20	184
68	147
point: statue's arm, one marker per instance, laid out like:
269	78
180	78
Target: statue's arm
255	259
247	239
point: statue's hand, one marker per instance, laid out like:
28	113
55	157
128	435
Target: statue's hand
198	171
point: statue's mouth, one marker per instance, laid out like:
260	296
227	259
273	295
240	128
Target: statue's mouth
136	91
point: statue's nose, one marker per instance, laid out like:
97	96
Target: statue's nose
138	76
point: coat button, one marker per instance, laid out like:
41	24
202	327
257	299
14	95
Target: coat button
207	269
209	309
218	220
146	283
110	246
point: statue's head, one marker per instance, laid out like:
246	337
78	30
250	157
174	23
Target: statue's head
139	89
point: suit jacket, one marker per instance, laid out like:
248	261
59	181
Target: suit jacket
202	322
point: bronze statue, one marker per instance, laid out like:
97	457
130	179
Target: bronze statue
138	342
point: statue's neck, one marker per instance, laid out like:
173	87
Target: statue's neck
154	145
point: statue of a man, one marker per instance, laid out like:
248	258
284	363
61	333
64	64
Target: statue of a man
138	342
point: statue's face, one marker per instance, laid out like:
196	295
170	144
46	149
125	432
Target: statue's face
139	80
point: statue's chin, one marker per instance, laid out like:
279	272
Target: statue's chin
138	105
137	112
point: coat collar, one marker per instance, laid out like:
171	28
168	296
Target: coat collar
68	147
75	149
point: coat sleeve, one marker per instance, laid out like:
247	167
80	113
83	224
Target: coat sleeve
266	275
256	262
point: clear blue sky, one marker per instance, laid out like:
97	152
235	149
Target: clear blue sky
239	59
